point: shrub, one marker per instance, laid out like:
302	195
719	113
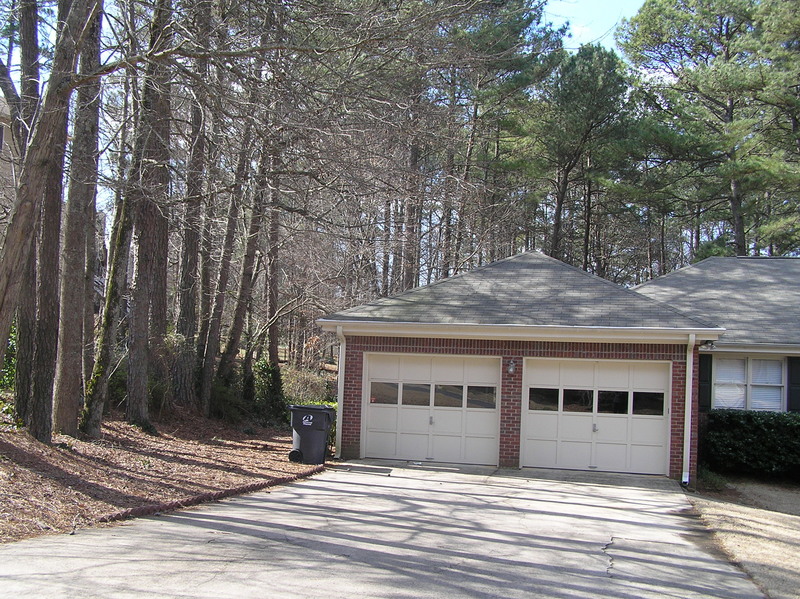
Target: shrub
270	402
305	387
10	361
762	444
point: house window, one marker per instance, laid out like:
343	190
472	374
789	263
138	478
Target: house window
748	384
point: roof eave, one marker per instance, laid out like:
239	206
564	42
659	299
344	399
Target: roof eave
784	349
519	332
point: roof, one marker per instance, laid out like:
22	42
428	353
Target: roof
757	300
528	290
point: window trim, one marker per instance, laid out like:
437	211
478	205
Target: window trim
748	383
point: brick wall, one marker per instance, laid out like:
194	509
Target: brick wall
511	391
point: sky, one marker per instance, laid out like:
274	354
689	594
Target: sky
591	21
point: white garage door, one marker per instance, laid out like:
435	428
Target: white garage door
442	409
593	415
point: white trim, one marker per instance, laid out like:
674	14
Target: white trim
777	350
687	405
518	332
340	389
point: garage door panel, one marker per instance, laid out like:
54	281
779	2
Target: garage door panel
576	427
610	428
382	444
382	418
611	456
414	420
613	376
481	423
383	367
577	374
544	374
480	450
647	459
448	422
445	369
415	368
574	455
650	377
478	371
648	431
543	426
541	452
447	448
412	446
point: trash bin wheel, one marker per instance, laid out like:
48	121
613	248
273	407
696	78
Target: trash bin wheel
296	456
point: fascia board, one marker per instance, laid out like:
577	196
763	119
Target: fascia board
754	348
520	332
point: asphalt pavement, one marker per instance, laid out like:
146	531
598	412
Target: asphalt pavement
379	529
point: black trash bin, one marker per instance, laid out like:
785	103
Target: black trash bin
310	428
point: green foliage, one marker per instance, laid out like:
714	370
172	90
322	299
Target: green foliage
761	444
10	361
227	402
8	413
270	403
718	247
305	387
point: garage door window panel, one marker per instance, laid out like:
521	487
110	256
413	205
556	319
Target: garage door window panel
383	393
612	402
646	403
578	400
484	398
448	396
541	399
416	394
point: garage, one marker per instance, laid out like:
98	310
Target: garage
432	408
596	415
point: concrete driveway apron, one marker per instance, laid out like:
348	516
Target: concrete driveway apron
397	530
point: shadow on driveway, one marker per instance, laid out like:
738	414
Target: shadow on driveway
377	529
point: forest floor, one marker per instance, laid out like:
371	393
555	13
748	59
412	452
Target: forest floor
78	483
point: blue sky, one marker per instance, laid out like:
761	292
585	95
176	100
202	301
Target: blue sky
591	21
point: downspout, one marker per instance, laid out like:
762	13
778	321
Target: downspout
687	416
340	390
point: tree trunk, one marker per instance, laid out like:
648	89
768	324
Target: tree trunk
150	186
68	387
225	369
47	301
273	282
737	218
41	157
561	196
97	385
215	323
26	333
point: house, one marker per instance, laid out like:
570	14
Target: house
525	362
755	365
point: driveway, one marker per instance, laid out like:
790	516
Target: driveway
398	530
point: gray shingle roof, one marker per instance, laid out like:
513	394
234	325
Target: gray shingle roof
757	300
526	289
